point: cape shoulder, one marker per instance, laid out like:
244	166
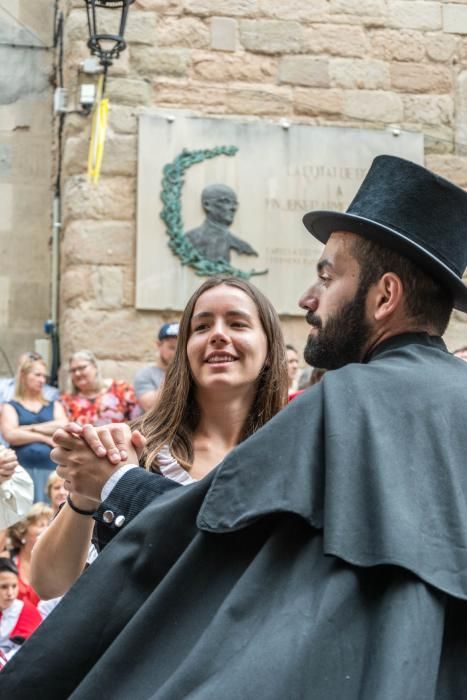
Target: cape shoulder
374	456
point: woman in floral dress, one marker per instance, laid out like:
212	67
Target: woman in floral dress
96	400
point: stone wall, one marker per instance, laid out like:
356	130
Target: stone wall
26	57
371	63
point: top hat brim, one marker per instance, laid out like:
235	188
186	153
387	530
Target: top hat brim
322	223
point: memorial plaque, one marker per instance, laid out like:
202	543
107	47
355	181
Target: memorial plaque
236	198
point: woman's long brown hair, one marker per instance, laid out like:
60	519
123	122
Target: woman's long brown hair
174	418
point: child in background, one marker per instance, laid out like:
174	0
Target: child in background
18	618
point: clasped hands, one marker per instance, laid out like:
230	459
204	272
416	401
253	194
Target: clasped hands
87	456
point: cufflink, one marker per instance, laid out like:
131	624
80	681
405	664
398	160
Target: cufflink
108	516
119	520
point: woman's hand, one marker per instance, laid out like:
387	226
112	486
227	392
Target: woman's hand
113	441
86	470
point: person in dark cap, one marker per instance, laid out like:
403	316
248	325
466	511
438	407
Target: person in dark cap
326	556
148	381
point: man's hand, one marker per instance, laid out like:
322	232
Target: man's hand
8	463
88	456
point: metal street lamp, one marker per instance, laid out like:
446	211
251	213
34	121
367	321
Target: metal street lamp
107	29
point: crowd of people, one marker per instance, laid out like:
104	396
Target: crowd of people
207	423
315	550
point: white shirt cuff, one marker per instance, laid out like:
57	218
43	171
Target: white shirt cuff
113	480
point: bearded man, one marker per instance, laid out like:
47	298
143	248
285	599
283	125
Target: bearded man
326	556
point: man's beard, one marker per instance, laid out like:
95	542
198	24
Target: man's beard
343	338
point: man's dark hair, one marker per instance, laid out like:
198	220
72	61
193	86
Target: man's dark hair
7	565
426	301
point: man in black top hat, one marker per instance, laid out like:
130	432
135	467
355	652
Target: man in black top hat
326	556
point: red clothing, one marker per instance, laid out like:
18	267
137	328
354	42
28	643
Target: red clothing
28	620
25	590
117	404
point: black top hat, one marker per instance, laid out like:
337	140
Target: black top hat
411	210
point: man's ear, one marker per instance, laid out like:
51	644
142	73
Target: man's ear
387	296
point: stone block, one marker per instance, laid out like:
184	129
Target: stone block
356	73
211	98
98	243
76	26
164	6
304	70
392	45
185	32
295	10
141	28
428	109
441	47
107	286
75	155
129	91
120	334
455	18
373	106
122	370
335	40
461	112
123	119
120	155
267	101
75	285
231	8
451	167
238	67
414	14
110	198
150	61
129	286
366	12
223	34
315	102
420	77
271	36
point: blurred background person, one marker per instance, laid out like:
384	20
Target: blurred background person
292	368
93	399
23	536
55	491
16	491
29	420
18	618
149	380
8	384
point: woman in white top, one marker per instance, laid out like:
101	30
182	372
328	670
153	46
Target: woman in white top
228	377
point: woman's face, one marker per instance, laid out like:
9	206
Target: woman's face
227	346
36	378
292	364
35	530
58	494
83	375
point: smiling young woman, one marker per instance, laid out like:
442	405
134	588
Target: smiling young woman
227	379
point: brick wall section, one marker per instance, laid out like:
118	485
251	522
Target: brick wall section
367	63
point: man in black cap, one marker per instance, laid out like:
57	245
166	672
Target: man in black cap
326	556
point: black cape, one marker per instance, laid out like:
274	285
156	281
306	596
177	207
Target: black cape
325	558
